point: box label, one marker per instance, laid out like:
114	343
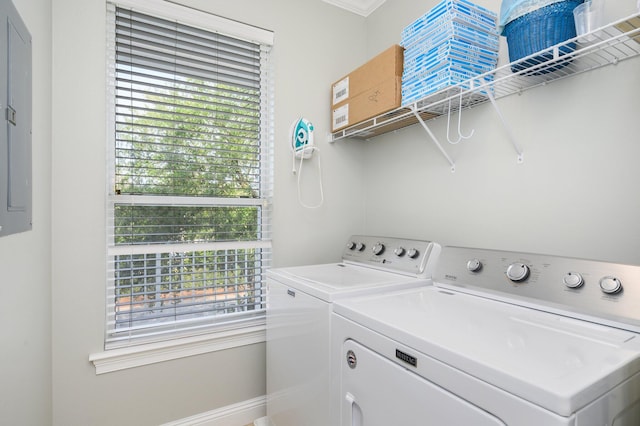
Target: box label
341	117
341	90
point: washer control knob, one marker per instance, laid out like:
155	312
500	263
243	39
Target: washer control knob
399	251
413	253
351	245
610	285
474	265
360	246
378	249
517	272
573	280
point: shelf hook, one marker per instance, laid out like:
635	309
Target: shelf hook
460	135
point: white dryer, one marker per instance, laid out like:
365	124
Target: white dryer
500	338
299	301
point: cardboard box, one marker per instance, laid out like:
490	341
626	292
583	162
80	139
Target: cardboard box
630	25
382	67
369	90
377	100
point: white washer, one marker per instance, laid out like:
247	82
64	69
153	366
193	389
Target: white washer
299	301
500	338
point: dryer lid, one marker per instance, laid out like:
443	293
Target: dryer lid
556	362
336	280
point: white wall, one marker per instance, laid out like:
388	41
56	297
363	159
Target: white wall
315	45
575	194
25	258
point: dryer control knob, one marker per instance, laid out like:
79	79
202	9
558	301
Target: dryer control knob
378	249
399	251
517	272
413	253
351	245
360	246
474	265
573	280
610	285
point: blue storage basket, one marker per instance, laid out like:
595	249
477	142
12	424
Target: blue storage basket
539	30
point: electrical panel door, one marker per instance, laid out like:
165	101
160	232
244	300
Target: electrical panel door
15	119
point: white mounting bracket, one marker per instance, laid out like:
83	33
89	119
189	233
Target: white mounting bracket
512	139
434	139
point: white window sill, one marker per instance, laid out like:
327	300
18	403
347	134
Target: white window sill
150	353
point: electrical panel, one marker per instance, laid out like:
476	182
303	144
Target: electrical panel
15	123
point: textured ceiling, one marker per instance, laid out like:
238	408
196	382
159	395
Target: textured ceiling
361	7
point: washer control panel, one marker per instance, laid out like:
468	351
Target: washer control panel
594	290
413	257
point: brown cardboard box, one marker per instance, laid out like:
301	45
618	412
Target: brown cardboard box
369	90
379	99
629	25
382	67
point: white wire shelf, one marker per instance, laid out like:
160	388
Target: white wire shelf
608	45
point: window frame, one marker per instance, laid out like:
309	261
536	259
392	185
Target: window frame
220	334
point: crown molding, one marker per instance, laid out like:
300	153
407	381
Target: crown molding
360	7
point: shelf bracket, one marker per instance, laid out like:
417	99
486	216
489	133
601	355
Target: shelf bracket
434	139
512	139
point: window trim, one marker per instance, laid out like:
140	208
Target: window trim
195	17
214	337
127	357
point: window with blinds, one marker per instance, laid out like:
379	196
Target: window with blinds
190	179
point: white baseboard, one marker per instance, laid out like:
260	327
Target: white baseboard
240	414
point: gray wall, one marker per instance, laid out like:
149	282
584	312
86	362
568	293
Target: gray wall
25	258
575	194
315	45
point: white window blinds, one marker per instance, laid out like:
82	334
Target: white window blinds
190	178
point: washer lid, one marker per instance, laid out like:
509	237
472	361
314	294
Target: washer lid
557	362
336	280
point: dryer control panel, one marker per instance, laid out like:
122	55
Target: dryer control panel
597	291
411	257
